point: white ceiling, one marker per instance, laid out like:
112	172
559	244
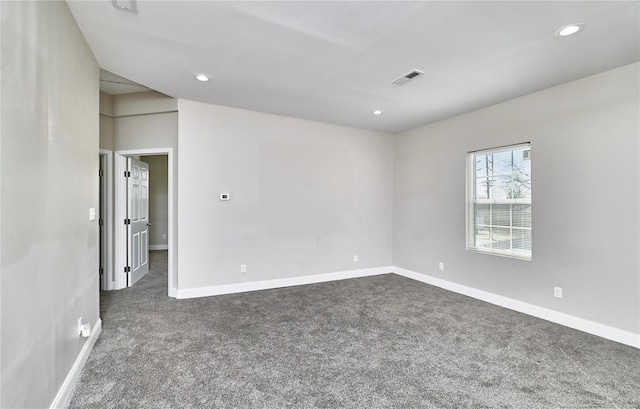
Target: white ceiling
334	61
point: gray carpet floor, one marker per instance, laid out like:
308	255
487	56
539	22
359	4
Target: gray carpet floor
375	342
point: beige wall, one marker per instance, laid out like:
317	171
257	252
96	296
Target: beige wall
49	163
586	182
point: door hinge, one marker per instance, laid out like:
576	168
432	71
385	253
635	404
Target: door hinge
127	269
101	271
101	222
100	172
127	221
127	173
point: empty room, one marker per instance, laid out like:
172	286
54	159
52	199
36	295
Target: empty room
320	204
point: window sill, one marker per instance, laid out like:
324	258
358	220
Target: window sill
499	254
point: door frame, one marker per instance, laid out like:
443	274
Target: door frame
108	279
121	211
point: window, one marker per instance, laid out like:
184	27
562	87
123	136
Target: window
499	201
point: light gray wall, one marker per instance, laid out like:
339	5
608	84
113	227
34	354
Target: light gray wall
586	209
140	126
137	120
305	196
49	163
145	131
140	103
106	121
158	198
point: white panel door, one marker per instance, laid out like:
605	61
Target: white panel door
138	213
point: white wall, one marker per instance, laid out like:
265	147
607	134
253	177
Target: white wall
49	160
586	209
305	196
158	198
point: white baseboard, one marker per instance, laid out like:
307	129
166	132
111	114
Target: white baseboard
581	324
158	247
183	293
64	394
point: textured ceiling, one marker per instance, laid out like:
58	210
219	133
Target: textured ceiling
334	61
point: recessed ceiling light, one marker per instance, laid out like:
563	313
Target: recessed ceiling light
376	112
126	5
569	30
202	77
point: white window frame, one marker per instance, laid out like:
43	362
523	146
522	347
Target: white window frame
471	200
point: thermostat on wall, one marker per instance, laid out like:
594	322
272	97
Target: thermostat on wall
224	196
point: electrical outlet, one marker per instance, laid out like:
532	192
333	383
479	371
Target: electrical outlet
441	266
164	236
355	258
85	330
557	292
243	268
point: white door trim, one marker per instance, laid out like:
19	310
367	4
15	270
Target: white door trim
120	229
108	282
121	211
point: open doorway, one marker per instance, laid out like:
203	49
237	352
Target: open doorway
158	201
161	213
105	220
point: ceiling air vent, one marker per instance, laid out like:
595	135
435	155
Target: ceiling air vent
407	77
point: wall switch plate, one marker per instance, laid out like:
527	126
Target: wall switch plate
243	268
441	266
164	236
80	326
557	292
355	258
92	214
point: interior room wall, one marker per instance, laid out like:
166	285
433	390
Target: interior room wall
586	207
141	103
146	120
106	121
49	163
305	197
158	199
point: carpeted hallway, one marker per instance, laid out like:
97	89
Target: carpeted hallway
377	342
